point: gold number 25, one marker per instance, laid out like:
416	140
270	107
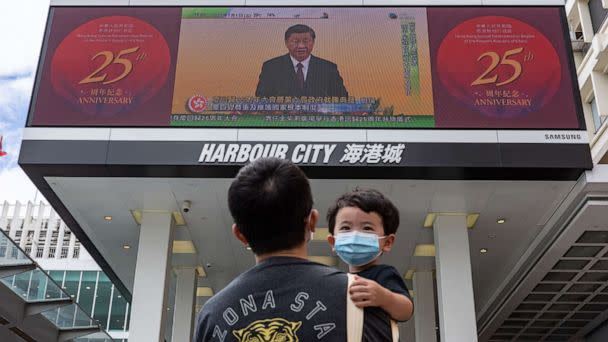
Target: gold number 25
110	59
495	61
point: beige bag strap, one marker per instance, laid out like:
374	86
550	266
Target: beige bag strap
354	316
354	319
395	331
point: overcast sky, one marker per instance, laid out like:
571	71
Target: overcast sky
22	25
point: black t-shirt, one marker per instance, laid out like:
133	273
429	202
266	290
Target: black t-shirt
389	278
281	297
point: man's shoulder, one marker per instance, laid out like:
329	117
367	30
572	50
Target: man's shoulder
322	271
327	271
323	62
229	291
279	60
219	298
294	290
302	272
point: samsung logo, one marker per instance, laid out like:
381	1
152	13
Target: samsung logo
562	136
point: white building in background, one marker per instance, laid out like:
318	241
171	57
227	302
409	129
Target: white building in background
41	233
589	30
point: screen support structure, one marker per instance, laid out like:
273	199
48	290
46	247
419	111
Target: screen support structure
454	279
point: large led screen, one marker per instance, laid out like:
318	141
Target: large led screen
404	67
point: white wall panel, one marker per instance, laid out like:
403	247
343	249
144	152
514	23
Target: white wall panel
421	2
89	3
536	137
63	133
302	135
419	135
303	3
187	2
173	134
306	3
524	2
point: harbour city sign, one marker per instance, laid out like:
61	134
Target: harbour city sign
305	153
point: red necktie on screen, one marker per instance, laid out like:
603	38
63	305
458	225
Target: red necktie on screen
300	75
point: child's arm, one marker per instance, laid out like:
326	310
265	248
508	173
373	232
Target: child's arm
366	292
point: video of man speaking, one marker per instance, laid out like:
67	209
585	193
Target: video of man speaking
302	66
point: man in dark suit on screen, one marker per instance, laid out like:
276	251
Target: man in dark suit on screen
299	73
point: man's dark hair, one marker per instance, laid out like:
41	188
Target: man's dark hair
299	28
270	200
369	201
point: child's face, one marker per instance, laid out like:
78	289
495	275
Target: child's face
350	219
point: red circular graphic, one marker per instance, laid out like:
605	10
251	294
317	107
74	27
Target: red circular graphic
197	104
499	66
110	65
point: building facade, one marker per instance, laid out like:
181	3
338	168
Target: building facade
589	32
588	26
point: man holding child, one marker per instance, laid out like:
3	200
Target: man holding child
285	297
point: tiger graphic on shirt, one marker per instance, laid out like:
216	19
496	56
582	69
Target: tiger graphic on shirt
269	330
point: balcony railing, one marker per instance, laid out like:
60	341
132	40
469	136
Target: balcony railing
580	46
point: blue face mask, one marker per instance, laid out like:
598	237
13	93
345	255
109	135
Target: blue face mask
357	248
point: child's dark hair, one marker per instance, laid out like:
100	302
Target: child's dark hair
368	200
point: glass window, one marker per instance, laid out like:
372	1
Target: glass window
87	291
53	287
118	316
21	283
65	317
52	291
72	278
102	300
38	285
57	276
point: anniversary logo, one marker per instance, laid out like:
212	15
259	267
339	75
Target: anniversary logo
503	68
130	53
